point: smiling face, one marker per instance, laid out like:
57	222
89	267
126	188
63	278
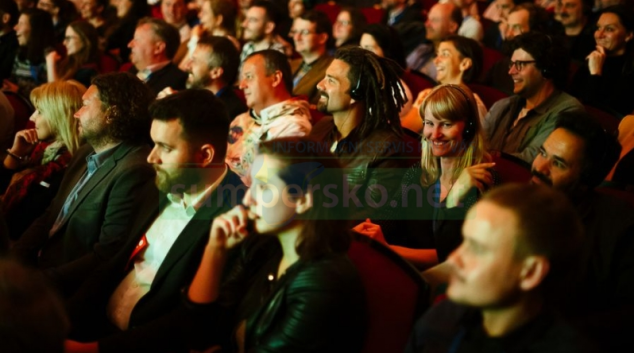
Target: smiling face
439	24
559	162
334	89
485	270
444	136
23	30
198	68
518	23
254	24
173	157
174	11
342	28
611	35
270	201
448	64
306	39
207	17
255	83
90	9
72	41
529	80
570	13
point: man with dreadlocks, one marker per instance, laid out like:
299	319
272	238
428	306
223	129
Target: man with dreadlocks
363	94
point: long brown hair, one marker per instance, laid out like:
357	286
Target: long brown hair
88	54
310	166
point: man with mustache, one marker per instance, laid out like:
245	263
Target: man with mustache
518	258
575	159
87	222
131	304
574	15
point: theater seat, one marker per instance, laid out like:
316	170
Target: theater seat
396	294
512	169
417	82
108	64
23	110
331	9
373	14
489	95
608	121
489	58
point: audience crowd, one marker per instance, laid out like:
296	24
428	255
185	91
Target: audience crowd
312	176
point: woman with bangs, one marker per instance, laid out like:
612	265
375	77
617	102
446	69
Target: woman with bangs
34	166
425	217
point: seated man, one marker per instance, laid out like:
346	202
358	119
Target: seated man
131	304
519	124
575	159
520	251
260	29
214	66
267	84
312	33
152	49
87	222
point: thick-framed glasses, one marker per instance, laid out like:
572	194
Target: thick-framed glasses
519	64
303	32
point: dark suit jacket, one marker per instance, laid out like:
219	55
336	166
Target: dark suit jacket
235	105
308	84
98	220
169	76
157	319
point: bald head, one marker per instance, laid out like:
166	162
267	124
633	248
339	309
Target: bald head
442	20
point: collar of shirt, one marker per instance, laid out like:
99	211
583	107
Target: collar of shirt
145	74
544	106
96	160
177	200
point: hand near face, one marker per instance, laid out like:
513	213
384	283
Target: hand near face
596	60
24	141
53	57
229	229
478	176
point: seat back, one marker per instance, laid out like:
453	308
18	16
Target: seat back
395	294
489	95
331	9
23	109
489	58
512	169
608	121
417	82
373	14
108	64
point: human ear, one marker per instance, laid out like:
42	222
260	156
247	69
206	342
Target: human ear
305	202
534	271
207	153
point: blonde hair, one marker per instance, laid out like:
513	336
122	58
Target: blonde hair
454	103
57	102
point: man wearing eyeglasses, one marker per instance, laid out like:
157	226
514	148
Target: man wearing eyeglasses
519	124
312	34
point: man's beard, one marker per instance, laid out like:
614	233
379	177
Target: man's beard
177	181
202	82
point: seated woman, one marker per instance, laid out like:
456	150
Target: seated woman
607	81
384	41
82	55
35	35
459	61
348	28
299	292
35	164
428	212
217	18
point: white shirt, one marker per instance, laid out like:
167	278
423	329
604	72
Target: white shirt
160	237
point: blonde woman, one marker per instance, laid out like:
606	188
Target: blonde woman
453	171
34	165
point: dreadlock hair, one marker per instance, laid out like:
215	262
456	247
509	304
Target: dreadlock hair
375	82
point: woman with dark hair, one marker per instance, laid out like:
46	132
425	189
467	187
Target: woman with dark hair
459	61
35	35
129	12
62	12
82	55
423	224
607	81
348	27
384	41
291	287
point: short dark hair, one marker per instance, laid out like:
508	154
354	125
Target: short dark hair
223	54
276	61
547	225
202	115
125	99
327	230
10	7
34	318
322	24
456	15
388	39
539	19
378	85
165	32
601	149
272	12
549	54
468	48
